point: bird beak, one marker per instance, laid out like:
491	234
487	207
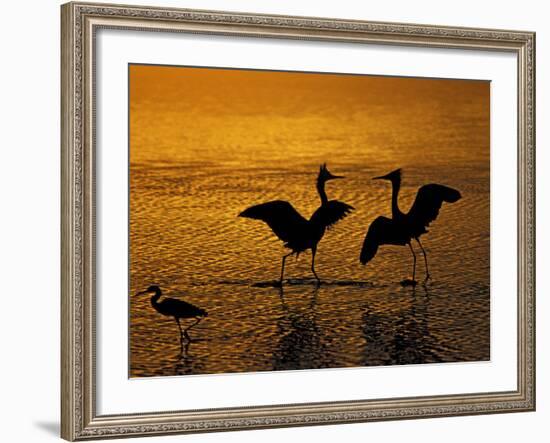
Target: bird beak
142	292
335	176
391	176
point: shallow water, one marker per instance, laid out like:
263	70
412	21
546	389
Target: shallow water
207	144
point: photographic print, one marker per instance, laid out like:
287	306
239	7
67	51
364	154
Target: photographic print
298	220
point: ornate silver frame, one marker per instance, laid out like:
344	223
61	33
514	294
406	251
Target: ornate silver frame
80	21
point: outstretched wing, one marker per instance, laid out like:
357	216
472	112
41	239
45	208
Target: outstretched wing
280	216
429	199
330	213
382	231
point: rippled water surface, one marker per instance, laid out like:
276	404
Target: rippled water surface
206	144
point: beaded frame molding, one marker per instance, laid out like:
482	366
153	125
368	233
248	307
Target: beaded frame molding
80	21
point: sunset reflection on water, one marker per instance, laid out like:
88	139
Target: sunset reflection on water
206	144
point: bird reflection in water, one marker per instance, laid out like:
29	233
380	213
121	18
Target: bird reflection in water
400	340
300	345
186	362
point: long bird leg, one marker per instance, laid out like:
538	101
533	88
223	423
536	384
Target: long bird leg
189	327
414	262
425	261
313	251
181	334
185	350
179	325
283	268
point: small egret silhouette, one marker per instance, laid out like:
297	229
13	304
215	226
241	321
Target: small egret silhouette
178	309
402	228
298	233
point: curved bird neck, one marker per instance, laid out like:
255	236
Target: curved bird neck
321	191
396	186
155	297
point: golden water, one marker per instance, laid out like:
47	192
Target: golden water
206	144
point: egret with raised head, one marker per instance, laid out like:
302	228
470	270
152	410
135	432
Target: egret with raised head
402	228
298	233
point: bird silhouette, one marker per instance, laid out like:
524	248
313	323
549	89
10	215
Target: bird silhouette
402	228
178	309
297	233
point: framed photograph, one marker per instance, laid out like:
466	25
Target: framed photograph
282	221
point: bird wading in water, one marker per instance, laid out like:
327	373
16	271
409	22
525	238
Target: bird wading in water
402	228
298	233
178	309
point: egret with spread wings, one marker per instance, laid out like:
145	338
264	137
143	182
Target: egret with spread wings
297	233
402	228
